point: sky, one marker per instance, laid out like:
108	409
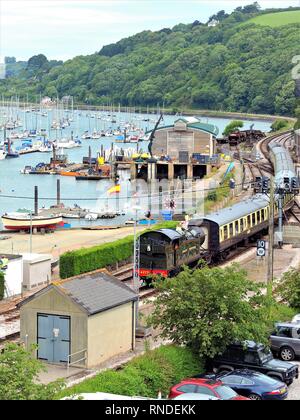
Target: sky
62	29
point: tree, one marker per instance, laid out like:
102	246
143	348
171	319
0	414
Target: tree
37	62
297	114
279	125
288	288
232	126
210	308
19	376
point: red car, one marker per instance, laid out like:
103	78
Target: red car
205	386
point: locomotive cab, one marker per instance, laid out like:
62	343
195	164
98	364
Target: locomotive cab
165	251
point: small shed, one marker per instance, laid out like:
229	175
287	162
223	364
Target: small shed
36	270
82	321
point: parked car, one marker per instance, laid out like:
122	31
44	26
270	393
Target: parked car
296	319
253	356
285	341
253	385
204	386
195	396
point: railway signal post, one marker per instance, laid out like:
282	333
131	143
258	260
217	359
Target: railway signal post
271	240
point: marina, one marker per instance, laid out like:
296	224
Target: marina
86	189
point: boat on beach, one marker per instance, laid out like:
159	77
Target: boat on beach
18	222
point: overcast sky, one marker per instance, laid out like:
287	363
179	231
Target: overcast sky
62	29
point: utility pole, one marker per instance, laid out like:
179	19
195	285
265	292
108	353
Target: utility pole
271	240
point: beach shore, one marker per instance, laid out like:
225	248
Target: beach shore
61	241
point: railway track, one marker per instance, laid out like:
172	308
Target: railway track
264	166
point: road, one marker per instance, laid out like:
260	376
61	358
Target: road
294	389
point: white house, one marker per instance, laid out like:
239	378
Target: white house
213	23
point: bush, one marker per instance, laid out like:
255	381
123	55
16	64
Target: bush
146	375
84	260
279	125
2	285
288	288
232	127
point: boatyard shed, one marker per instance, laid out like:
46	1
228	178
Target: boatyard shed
187	135
80	321
185	150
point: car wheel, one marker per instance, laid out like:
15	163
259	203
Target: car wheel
287	354
255	397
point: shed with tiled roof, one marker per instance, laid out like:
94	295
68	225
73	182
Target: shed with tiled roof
81	321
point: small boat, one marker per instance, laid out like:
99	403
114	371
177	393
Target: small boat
2	154
71	216
12	155
91	216
69	173
26	170
19	222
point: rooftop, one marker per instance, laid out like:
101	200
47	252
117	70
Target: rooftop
94	292
193	123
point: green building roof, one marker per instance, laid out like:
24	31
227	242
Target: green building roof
195	124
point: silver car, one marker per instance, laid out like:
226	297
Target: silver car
285	340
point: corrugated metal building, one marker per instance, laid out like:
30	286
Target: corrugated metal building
188	134
184	150
84	320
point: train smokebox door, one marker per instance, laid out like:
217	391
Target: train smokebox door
53	338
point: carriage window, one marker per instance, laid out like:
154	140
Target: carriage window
242	225
231	230
225	232
253	219
221	235
236	227
263	215
258	216
249	221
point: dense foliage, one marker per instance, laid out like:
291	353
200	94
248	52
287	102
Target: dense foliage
234	66
232	126
84	260
146	375
108	254
219	307
288	288
19	374
279	125
2	285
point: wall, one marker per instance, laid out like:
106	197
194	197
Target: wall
109	334
170	142
54	303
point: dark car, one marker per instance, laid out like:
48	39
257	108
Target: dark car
257	357
253	385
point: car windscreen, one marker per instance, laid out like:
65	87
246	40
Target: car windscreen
225	392
265	355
